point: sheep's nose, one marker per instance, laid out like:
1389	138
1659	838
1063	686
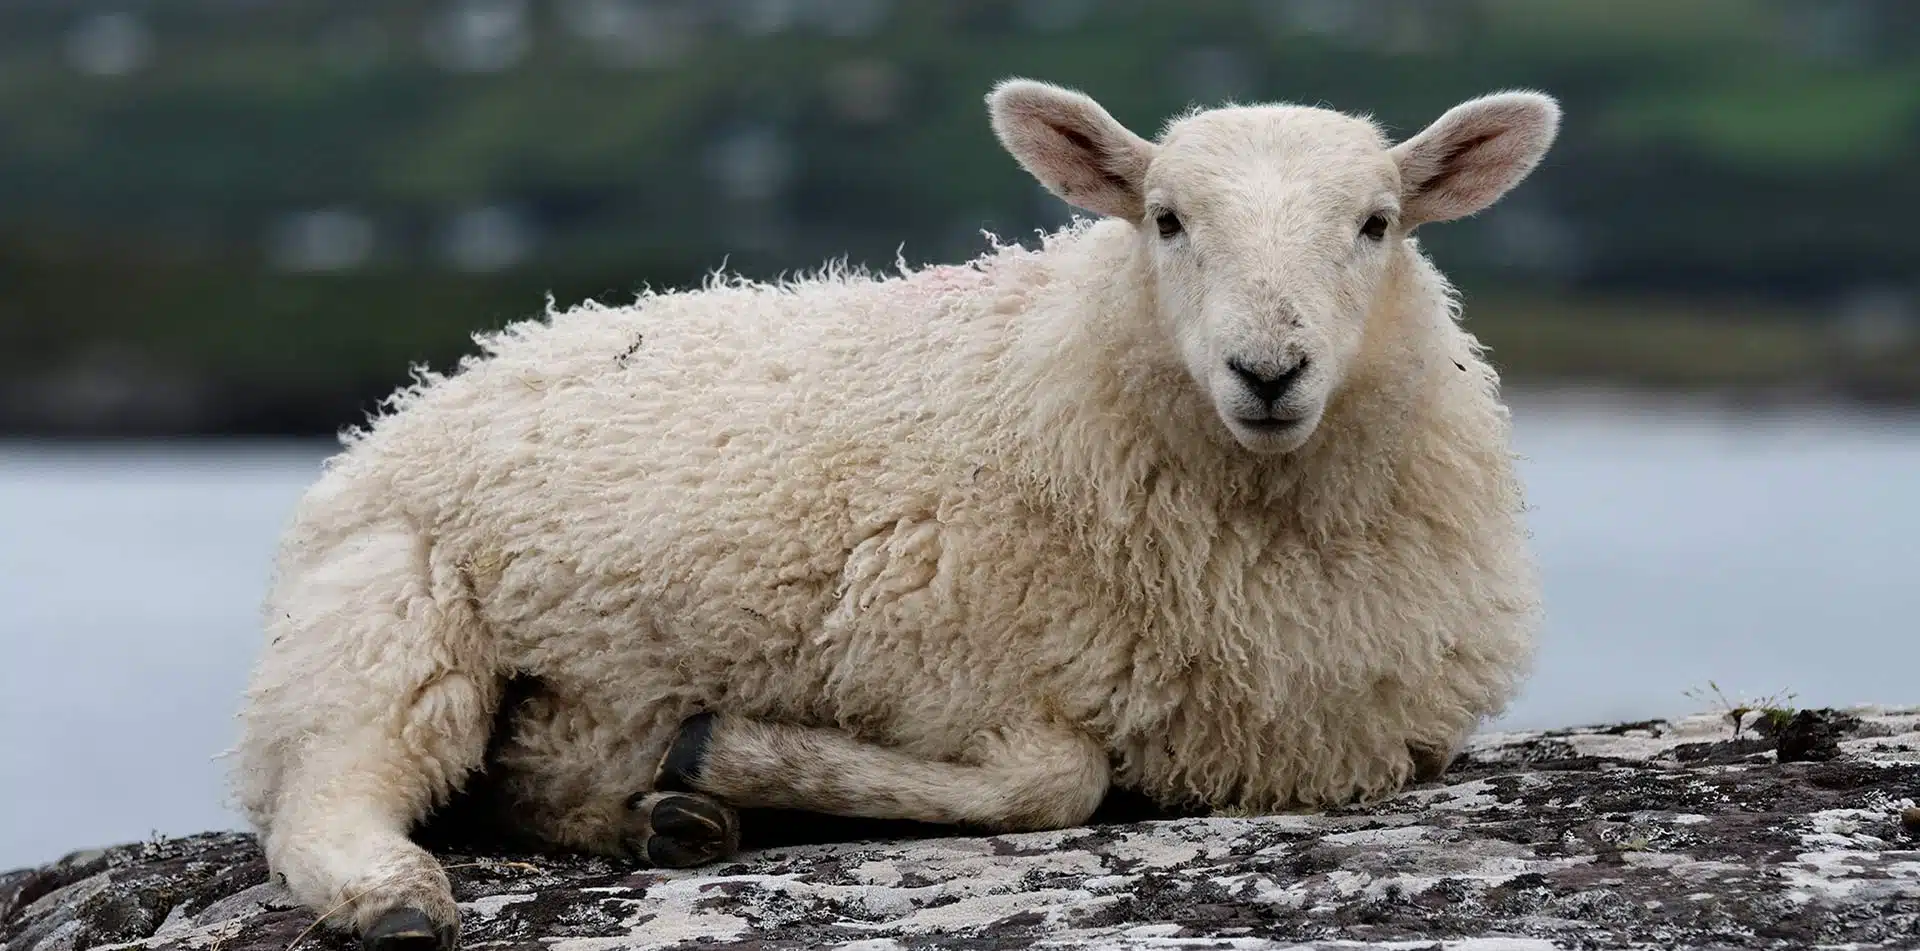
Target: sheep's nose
1266	384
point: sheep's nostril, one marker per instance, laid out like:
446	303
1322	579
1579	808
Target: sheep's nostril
1266	384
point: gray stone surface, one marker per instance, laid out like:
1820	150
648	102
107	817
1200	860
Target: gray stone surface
1654	835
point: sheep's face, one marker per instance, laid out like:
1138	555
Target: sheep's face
1270	230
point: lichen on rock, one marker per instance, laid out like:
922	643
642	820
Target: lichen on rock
1664	834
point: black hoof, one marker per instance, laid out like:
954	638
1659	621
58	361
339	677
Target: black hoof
406	929
680	768
685	831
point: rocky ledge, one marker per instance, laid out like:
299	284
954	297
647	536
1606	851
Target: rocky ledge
1794	831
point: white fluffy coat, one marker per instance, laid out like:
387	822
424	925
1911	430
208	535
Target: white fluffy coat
922	509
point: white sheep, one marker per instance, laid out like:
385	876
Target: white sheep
1210	498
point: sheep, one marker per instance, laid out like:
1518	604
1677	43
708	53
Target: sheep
1208	496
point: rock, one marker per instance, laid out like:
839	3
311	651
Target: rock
1650	835
1813	735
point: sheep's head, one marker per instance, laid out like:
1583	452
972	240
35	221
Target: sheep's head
1269	230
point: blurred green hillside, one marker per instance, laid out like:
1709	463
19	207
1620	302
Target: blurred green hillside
240	215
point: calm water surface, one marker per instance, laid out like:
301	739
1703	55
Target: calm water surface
1679	544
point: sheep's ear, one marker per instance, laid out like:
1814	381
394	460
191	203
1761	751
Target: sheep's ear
1474	154
1068	142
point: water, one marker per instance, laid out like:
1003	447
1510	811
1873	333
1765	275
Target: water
1679	545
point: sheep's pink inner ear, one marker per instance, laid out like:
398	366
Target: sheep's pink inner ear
1474	154
1072	146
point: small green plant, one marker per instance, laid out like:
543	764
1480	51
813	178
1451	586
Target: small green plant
1775	709
1773	720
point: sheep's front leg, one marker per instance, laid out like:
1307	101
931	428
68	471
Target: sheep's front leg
1022	779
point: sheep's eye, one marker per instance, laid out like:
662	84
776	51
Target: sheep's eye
1168	223
1375	228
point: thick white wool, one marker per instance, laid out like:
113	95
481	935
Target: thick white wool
921	508
926	506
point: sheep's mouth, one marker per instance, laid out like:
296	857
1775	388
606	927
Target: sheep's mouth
1270	424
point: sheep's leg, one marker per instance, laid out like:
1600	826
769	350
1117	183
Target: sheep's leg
1021	779
340	840
370	705
662	830
558	775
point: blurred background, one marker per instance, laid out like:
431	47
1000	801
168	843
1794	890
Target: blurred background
228	227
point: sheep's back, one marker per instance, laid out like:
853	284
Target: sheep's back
695	478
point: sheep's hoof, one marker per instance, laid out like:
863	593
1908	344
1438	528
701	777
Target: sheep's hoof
678	830
680	768
406	929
